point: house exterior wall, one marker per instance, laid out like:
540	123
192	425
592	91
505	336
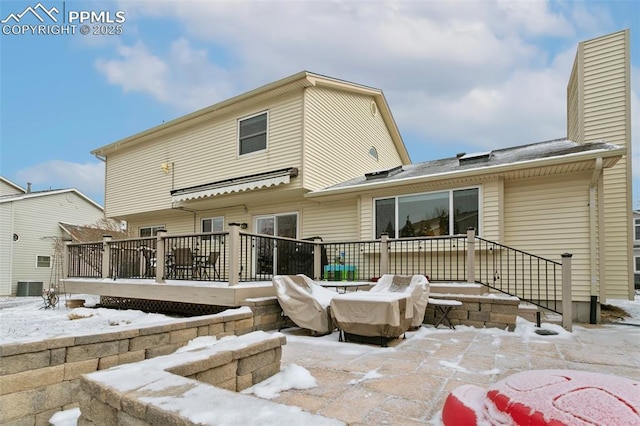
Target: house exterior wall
8	189
636	249
6	247
204	153
599	109
35	220
542	219
340	129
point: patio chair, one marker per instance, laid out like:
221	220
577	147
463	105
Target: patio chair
183	262
416	285
305	302
209	265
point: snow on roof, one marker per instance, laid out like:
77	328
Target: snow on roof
44	193
519	154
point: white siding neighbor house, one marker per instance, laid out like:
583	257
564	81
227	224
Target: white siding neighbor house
29	227
311	155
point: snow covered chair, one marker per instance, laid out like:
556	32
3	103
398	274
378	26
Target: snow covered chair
305	302
416	285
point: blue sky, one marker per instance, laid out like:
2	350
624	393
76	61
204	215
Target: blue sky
459	76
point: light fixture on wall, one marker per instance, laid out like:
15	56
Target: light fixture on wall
166	167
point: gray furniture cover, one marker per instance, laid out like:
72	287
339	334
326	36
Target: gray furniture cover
416	285
305	302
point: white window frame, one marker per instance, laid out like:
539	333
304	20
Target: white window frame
635	264
38	261
635	229
212	219
450	191
266	132
154	230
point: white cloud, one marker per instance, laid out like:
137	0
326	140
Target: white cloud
58	174
478	73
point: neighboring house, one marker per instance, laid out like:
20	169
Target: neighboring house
29	228
636	248
311	155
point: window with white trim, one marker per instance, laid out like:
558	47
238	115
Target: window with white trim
213	224
637	229
150	231
449	212
637	259
43	261
252	133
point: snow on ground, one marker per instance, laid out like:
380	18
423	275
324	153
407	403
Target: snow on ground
23	319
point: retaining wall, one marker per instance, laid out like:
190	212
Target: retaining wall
40	378
477	311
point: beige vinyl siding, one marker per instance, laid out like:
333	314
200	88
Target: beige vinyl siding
6	189
333	221
339	132
36	220
547	219
606	116
491	213
201	154
6	247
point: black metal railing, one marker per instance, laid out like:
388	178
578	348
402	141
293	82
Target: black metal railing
197	257
132	258
207	257
529	277
263	256
440	258
85	260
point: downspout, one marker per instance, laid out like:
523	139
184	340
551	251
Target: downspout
593	249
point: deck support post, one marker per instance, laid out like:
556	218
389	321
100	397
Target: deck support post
317	259
106	256
384	254
234	253
471	255
567	312
65	259
161	256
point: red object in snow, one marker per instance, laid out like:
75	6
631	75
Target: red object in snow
547	398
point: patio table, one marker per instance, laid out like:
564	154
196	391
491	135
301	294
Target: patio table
384	316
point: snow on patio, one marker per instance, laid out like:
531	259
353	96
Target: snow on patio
405	383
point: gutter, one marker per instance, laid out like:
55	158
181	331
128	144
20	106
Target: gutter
594	191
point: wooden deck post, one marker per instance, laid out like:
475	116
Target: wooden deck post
317	259
106	256
471	255
567	308
234	253
161	256
384	254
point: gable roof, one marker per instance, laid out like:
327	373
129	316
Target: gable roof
541	154
45	193
15	185
294	82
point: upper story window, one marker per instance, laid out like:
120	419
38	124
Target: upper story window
252	133
433	213
150	231
637	229
43	261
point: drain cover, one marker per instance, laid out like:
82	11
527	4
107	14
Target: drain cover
543	332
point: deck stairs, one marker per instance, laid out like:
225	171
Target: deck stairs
526	310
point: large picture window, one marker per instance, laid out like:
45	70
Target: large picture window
429	214
252	134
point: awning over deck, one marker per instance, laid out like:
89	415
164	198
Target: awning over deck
239	184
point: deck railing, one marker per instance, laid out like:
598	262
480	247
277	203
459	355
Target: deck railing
237	256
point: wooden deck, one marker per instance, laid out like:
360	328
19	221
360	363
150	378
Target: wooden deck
201	292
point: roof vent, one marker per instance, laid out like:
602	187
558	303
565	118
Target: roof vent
475	157
383	173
